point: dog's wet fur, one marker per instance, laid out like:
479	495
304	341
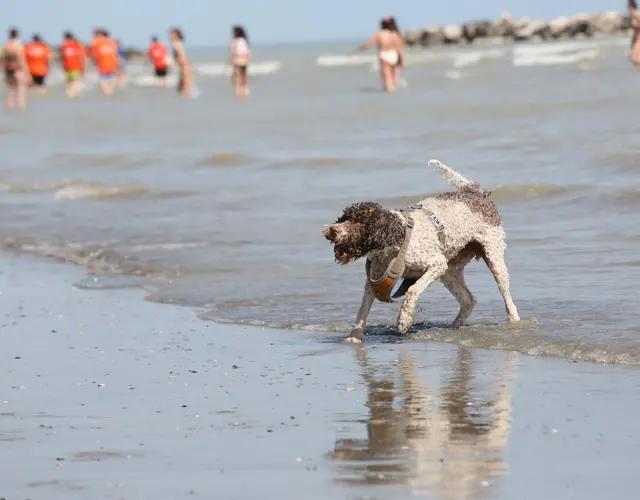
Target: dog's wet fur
477	200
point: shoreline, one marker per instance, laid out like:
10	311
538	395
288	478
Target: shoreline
495	336
109	395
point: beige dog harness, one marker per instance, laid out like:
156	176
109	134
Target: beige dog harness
389	286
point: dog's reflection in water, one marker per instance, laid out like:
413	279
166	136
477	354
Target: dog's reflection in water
446	442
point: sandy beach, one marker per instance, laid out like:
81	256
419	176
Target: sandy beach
106	395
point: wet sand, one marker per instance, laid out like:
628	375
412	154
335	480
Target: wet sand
105	395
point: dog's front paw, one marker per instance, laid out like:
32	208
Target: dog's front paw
353	340
404	322
355	337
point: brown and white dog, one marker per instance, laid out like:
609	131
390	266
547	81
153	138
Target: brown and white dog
429	241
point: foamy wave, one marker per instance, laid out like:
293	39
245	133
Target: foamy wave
562	47
220	69
98	259
78	191
88	190
472	58
554	58
32	187
211	70
150	81
142	76
344	60
72	189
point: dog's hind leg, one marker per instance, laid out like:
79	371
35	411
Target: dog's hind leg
453	280
361	319
435	269
494	257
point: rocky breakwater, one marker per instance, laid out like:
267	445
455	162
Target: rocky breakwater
506	30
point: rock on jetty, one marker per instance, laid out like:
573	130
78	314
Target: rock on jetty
506	30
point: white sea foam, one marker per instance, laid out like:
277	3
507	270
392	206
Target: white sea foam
552	59
474	57
331	60
221	69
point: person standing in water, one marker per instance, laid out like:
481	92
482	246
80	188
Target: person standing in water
15	71
105	54
184	66
239	55
73	63
37	54
123	57
632	7
401	50
159	57
390	52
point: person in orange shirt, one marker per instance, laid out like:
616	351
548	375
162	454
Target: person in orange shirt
37	55
159	57
73	62
105	54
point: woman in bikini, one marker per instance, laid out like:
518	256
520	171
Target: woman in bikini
180	57
390	52
239	55
15	71
632	6
401	50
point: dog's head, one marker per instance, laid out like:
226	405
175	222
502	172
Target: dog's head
363	228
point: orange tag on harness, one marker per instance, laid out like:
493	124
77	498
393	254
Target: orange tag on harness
384	288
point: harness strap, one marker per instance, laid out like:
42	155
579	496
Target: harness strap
383	287
437	223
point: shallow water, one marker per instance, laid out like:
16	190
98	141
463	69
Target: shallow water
108	396
219	204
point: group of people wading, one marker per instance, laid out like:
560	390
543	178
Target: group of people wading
27	66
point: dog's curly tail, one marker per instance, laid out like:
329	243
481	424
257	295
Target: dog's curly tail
453	177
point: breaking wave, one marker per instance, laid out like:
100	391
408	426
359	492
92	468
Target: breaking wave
554	59
97	259
71	189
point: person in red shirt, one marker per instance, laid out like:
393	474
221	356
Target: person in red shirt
159	57
105	54
37	54
73	62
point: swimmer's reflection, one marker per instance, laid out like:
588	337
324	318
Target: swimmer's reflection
448	442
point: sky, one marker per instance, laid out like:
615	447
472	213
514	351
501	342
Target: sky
207	22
